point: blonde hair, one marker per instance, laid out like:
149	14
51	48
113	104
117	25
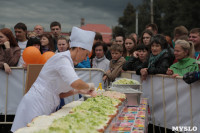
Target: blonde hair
186	45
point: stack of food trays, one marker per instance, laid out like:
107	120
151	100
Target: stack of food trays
130	87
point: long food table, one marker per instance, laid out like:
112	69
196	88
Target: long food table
93	118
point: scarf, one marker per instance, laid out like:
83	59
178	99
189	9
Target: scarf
100	59
154	58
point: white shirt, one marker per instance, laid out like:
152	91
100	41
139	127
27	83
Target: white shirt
56	77
22	45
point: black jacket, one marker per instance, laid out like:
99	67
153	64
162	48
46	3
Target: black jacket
132	64
161	66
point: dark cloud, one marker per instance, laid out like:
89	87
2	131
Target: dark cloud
67	12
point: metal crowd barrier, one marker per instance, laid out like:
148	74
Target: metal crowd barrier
184	96
172	102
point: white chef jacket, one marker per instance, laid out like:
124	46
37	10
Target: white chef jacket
56	77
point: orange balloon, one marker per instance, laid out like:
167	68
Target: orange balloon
47	55
31	55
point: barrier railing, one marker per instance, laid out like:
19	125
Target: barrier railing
172	102
11	90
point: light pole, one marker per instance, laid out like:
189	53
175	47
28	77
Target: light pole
151	11
136	23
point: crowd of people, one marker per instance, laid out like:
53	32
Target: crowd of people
150	53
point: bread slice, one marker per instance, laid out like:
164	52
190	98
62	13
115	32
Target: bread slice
42	121
30	129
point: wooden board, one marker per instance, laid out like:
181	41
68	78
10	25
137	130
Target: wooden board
33	71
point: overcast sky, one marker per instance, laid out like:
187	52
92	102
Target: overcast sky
67	12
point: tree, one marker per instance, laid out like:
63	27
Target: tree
168	14
126	22
118	31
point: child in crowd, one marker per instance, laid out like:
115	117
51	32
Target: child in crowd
116	63
139	57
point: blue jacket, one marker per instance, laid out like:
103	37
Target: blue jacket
84	64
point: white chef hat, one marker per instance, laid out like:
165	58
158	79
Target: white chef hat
82	38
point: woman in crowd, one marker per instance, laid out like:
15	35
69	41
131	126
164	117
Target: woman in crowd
146	37
9	50
129	47
62	44
100	61
47	43
139	57
160	58
184	53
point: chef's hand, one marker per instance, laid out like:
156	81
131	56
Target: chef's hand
88	92
91	86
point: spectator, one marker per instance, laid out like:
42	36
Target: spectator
178	32
195	38
153	27
108	54
9	50
116	63
100	61
62	45
183	52
160	58
129	47
146	37
119	40
191	77
34	41
84	64
56	32
98	38
139	57
135	36
21	35
31	34
47	43
39	30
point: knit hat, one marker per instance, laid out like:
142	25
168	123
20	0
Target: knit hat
82	38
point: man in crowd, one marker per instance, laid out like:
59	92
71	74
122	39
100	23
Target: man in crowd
56	32
39	30
153	28
21	35
194	36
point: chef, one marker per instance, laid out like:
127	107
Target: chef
56	80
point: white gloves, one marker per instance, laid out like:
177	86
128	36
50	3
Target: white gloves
91	86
